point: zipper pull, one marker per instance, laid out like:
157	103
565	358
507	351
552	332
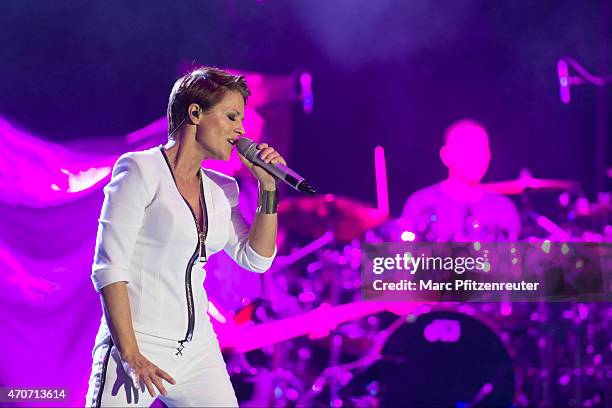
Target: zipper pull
179	349
202	238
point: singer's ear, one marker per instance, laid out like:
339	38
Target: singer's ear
445	155
193	113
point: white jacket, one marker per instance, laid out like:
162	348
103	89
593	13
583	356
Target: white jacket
148	238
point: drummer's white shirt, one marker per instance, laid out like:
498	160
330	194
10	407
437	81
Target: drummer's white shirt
147	236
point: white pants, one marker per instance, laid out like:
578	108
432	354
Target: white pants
200	374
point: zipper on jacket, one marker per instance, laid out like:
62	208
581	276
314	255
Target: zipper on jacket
202	237
190	305
202	234
200	251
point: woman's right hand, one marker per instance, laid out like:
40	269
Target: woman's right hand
142	371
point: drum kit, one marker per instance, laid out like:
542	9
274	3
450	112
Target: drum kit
369	354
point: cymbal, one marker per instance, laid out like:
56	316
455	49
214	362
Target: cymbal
313	216
520	185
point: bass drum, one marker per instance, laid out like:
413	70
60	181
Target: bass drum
441	359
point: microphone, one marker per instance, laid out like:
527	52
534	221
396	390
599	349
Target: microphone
248	149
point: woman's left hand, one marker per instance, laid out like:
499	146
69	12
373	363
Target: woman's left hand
269	155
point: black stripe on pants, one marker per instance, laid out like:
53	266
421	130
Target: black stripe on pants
103	378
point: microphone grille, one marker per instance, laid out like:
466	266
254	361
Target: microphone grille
243	144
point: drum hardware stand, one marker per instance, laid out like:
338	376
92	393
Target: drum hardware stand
545	347
335	348
340	375
283	379
278	376
566	81
578	362
323	240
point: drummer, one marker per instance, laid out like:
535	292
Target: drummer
459	209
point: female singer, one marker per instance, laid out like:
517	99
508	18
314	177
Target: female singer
163	215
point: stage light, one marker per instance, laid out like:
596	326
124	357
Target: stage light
307	95
408	236
564	82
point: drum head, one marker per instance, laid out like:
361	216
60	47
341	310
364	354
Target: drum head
443	358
